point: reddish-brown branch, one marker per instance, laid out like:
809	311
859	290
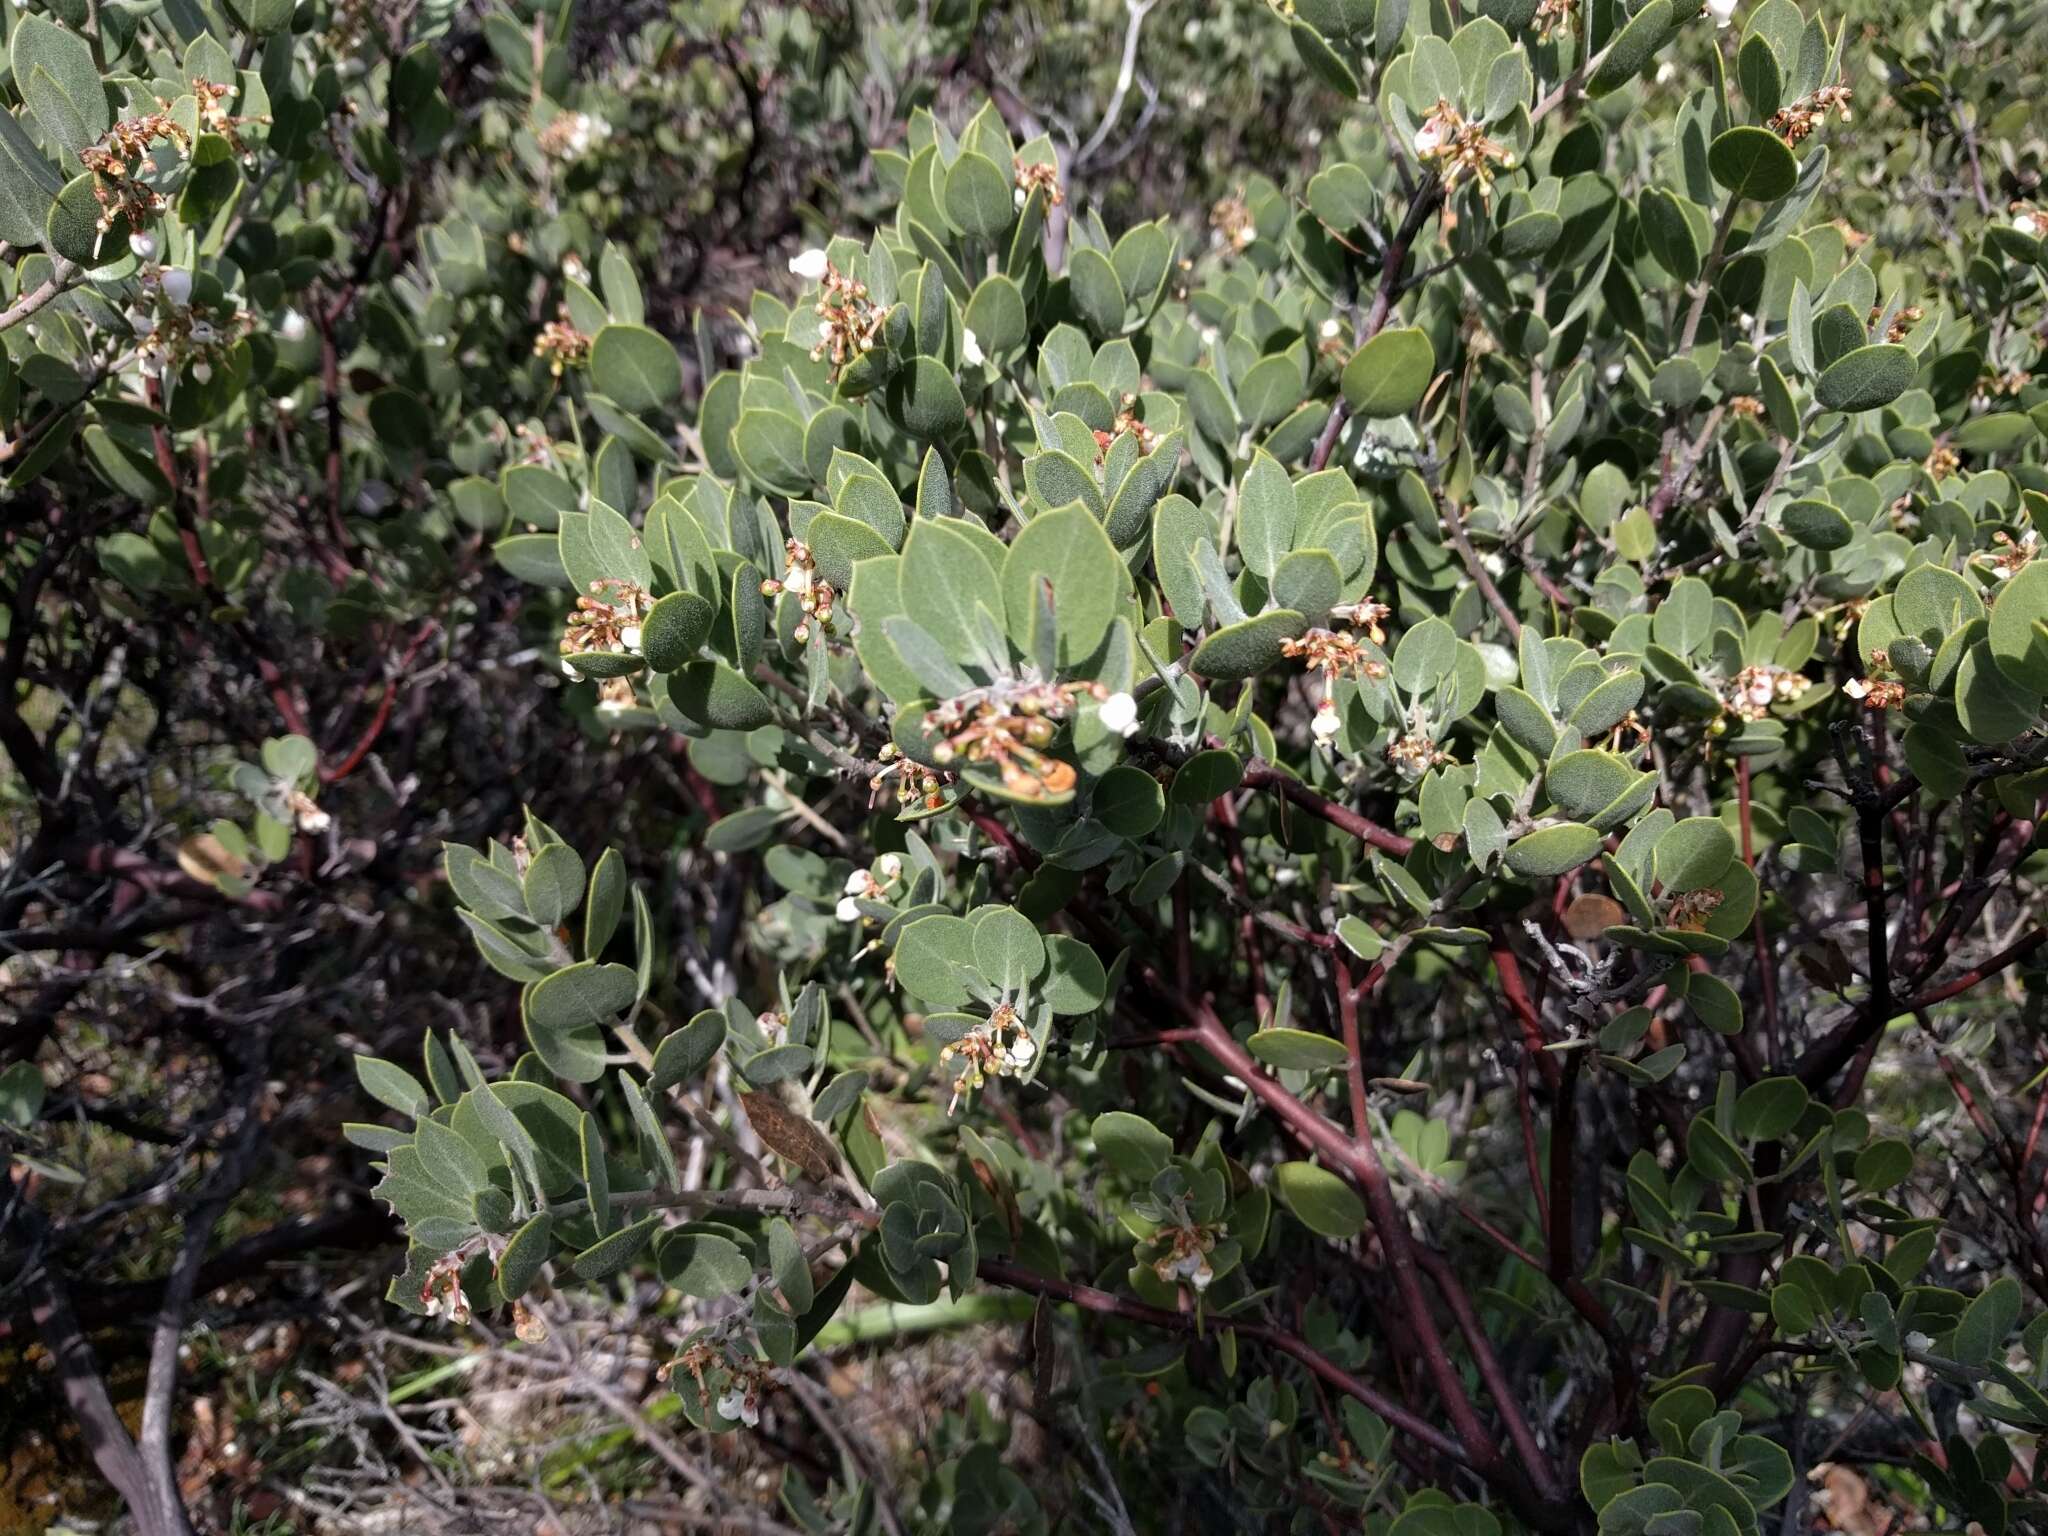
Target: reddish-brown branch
1371	833
393	686
2029	1193
1428	196
2010	956
1354	1049
1516	991
335	554
1000	835
2004	844
1766	968
1525	1105
153	879
1498	1386
202	577
1183	934
1564	1258
1107	1304
1855	1042
1359	1161
1248	923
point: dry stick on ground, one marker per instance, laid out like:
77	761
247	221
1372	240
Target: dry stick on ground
85	1393
859	1458
160	1395
142	1469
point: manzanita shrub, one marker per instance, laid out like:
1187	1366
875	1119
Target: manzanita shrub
1371	798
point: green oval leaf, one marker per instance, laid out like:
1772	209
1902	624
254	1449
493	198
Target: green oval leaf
1389	375
1753	163
1320	1201
1866	378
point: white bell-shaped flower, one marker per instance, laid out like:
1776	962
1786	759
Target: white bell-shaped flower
1119	713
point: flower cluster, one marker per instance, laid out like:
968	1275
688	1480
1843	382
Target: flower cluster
1880	692
116	161
1794	123
1184	1254
813	593
608	619
1460	151
615	696
1127	420
2028	219
1002	1047
1554	16
214	116
740	1379
873	884
170	333
1632	732
1688	911
306	813
441	1293
2012	555
1901	323
124	154
1008	725
1416	752
1231	226
917	787
1750	693
1876	693
562	344
572	135
1037	176
1338	653
850	320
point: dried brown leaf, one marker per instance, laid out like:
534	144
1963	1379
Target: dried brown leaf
790	1135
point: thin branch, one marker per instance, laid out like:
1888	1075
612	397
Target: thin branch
64	275
1428	198
1089	1299
1265	776
1127	71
